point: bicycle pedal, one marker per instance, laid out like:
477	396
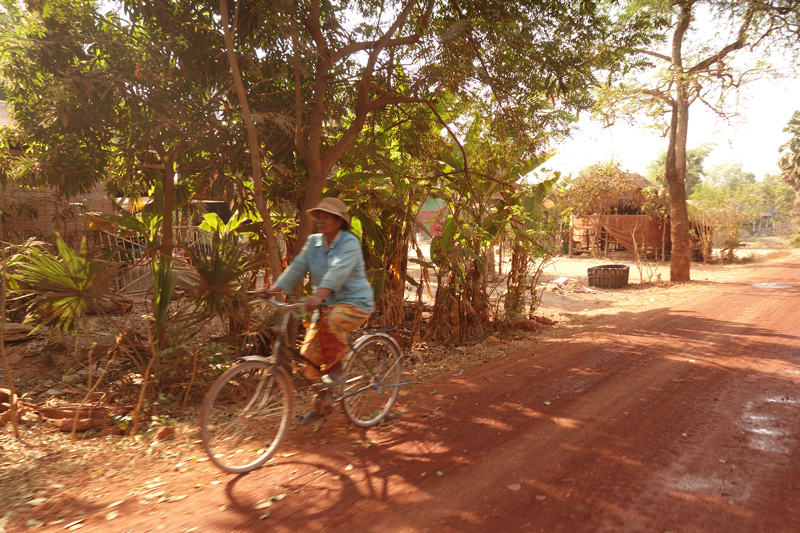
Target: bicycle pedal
330	384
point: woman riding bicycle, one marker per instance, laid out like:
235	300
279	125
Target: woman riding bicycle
333	259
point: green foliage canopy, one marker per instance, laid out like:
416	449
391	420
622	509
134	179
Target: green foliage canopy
95	94
789	162
695	159
730	175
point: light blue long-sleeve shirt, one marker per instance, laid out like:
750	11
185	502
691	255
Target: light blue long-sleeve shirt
340	269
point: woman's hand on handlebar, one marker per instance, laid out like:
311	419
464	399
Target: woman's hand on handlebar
315	300
312	303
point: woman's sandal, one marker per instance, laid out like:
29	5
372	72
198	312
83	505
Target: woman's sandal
309	417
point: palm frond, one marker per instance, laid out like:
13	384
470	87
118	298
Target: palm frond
219	283
64	288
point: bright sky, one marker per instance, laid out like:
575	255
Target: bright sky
754	142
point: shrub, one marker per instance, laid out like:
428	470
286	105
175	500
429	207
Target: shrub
794	241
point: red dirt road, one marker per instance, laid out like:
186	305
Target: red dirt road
681	418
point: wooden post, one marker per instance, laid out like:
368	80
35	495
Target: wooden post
571	235
569	244
500	258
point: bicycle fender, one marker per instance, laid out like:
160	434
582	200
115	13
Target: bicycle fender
257	358
384	336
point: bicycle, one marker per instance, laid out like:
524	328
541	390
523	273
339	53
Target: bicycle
250	407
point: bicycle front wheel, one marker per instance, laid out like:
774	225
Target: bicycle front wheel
373	378
245	416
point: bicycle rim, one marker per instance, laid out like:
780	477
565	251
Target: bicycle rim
373	374
245	416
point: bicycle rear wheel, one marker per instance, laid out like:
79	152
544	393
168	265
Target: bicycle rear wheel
245	416
373	378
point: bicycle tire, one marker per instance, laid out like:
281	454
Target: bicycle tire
373	375
245	416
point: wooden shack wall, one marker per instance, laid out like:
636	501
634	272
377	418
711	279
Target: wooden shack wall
648	233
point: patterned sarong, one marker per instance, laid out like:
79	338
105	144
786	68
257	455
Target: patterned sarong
326	340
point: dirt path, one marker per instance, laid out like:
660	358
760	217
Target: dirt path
678	415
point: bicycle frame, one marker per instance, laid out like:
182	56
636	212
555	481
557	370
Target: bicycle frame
278	358
250	407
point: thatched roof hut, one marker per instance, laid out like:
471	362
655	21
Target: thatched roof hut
607	212
606	190
626	200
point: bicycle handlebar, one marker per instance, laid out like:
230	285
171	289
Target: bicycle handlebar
287	306
280	305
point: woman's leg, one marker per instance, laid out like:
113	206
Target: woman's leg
326	341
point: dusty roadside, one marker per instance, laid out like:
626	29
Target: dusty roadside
468	423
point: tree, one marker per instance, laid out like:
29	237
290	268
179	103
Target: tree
67	151
765	203
704	70
311	80
789	162
525	66
252	141
730	175
775	194
717	208
695	157
99	99
322	81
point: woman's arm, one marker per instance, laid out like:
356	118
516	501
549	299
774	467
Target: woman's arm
294	272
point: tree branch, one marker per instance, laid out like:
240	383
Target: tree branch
314	29
302	148
383	102
362	106
252	138
657	94
351	48
740	42
475	47
453	135
652	54
684	20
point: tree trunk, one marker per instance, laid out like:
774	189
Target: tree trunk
169	194
490	263
570	237
312	197
6	364
252	139
679	267
57	217
676	157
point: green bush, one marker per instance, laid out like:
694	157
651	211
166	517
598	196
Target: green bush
794	241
